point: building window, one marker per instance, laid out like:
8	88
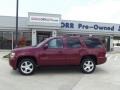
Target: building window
24	39
6	40
1	39
28	38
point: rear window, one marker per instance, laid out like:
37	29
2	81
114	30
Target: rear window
93	43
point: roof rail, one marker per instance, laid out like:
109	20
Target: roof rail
67	35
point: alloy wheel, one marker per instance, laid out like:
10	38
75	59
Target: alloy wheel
27	67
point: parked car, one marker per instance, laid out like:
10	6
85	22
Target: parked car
85	52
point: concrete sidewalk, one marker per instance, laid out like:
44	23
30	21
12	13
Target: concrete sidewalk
3	53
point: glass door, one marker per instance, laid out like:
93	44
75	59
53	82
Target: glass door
42	36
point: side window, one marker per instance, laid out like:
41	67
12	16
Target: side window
55	43
93	43
73	43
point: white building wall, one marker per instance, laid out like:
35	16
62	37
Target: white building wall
111	43
34	37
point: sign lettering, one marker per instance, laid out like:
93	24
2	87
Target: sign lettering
80	26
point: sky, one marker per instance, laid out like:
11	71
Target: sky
107	11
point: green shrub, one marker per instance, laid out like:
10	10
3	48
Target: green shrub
6	56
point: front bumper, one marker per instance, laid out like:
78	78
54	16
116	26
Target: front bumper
13	63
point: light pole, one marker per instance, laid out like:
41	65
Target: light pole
17	5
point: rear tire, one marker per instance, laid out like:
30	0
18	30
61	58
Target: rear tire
26	66
88	65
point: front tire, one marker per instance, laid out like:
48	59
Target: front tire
26	66
88	65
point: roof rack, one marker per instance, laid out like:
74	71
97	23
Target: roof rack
67	35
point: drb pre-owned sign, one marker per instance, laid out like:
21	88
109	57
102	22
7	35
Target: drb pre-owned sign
89	26
44	19
95	27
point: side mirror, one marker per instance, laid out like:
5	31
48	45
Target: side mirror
45	46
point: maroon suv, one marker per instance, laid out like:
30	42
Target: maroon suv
86	52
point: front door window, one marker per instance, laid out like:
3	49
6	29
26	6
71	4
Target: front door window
55	43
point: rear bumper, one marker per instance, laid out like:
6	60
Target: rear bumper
101	60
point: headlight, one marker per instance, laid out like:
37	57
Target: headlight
12	54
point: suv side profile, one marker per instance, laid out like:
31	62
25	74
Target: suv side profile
86	52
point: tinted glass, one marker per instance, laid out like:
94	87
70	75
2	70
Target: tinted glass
55	43
73	43
93	43
5	40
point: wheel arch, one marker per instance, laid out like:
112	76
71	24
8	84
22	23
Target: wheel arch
30	57
89	56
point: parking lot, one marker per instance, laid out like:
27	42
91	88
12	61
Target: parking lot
106	77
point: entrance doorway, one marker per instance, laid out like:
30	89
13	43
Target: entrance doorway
116	41
43	35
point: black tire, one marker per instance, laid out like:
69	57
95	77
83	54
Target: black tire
26	66
87	65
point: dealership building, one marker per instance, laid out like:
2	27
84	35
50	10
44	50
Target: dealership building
38	26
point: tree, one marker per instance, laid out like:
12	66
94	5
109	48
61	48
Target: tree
22	42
